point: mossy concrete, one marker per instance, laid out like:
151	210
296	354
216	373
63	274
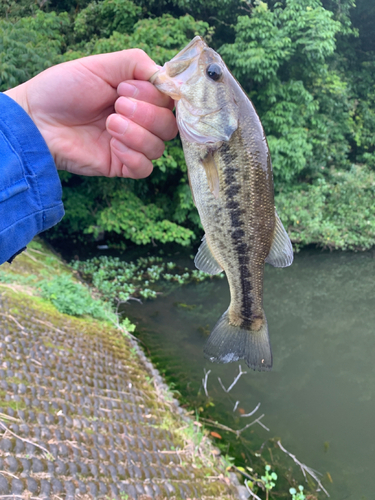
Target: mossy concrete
83	414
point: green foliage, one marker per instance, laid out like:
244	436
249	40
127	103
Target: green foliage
161	37
358	61
267	482
118	280
297	495
16	8
30	45
67	295
73	298
128	325
5	277
101	19
281	56
307	65
137	222
269	478
337	212
124	210
364	115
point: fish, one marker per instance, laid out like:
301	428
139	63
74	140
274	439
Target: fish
230	175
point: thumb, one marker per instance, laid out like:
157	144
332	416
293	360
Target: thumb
115	67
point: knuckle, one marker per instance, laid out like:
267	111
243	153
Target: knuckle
158	150
149	116
137	53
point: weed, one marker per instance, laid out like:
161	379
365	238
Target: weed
267	481
128	325
297	495
72	298
118	280
269	478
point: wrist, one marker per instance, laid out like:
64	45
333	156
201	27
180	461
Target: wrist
18	94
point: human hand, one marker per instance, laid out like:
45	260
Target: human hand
99	115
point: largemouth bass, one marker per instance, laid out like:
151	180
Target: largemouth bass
230	174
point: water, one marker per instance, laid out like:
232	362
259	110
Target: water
320	397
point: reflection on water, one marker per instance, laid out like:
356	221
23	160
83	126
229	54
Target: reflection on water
320	396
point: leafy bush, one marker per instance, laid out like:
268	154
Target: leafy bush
335	213
137	222
101	19
30	45
125	210
280	55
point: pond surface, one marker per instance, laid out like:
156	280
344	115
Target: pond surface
320	396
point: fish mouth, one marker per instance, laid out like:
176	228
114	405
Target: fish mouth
180	69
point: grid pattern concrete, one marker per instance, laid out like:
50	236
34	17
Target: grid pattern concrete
84	415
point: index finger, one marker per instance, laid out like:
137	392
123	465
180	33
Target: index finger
144	91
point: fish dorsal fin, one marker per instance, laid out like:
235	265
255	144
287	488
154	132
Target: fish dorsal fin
205	261
212	174
281	253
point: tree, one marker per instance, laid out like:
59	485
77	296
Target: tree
307	65
281	57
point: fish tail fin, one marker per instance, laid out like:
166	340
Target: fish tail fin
229	343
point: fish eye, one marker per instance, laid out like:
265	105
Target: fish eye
214	72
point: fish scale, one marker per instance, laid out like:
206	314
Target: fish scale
230	175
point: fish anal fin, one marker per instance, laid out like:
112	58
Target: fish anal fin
229	343
212	174
205	261
281	252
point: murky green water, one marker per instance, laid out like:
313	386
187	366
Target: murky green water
320	397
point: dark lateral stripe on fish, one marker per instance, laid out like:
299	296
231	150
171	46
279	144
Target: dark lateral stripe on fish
232	189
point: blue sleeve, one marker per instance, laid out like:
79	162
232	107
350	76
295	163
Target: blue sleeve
30	188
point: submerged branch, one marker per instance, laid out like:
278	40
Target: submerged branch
204	380
313	473
233	431
256	421
243	473
252	412
251	492
234	381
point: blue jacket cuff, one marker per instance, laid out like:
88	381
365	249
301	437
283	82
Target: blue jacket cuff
30	188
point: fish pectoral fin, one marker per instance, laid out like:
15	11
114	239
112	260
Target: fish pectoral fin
205	261
212	174
281	253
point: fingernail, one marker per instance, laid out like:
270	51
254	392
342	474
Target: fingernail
128	106
117	124
127	90
119	146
